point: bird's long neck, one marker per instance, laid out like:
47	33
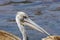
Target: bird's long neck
21	28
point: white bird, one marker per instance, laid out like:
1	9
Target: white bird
22	20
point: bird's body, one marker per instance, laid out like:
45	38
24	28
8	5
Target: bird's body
7	36
54	37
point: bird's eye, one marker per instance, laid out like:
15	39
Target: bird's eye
24	16
22	19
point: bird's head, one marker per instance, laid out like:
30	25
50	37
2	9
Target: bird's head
23	19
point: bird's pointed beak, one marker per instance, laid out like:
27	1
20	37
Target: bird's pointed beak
33	25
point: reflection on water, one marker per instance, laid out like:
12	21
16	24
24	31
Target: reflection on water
48	19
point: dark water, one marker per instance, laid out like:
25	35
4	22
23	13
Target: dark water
44	14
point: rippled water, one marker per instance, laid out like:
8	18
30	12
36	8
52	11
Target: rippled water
43	12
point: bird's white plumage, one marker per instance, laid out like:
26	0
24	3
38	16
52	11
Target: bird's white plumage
21	14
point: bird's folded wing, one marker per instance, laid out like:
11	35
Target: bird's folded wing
7	36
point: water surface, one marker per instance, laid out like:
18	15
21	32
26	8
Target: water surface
47	19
